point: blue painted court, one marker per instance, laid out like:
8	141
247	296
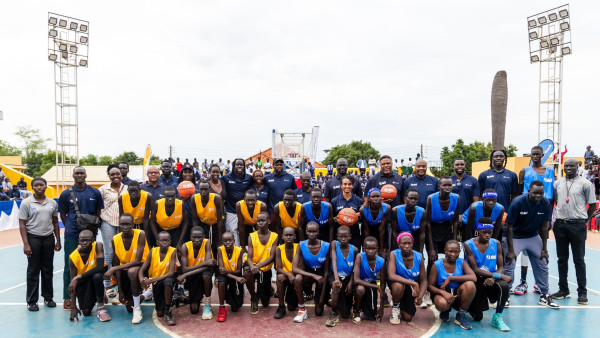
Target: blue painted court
524	316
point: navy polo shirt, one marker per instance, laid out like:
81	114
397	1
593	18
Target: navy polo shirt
425	186
526	217
89	200
236	189
126	181
262	194
277	185
378	180
157	192
505	183
165	182
302	196
469	188
333	188
339	202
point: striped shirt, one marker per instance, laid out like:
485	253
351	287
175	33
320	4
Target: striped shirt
110	213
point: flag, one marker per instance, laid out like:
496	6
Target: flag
146	162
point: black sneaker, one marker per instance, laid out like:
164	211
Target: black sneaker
308	296
546	300
33	307
254	306
49	303
280	313
561	294
582	299
169	318
445	315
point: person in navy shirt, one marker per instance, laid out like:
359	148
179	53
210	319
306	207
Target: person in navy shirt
167	177
502	180
278	182
303	193
124	168
423	183
348	200
333	187
258	185
385	176
236	183
465	186
89	201
153	186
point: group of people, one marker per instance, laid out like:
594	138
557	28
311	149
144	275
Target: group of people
242	229
10	191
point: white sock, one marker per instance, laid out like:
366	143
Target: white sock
147	293
136	301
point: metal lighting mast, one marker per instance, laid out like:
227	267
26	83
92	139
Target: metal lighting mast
549	41
68	49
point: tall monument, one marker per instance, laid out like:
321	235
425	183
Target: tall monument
499	101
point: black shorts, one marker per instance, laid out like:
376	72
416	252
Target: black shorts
324	233
483	294
234	292
344	300
369	301
195	285
263	289
125	285
175	235
86	293
440	234
158	291
319	287
456	304
407	303
211	232
290	295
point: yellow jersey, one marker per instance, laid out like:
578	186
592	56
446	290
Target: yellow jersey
193	261
230	264
207	214
286	220
169	222
138	211
250	220
158	267
287	263
128	256
262	252
82	267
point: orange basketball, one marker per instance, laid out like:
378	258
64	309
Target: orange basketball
347	217
186	189
388	192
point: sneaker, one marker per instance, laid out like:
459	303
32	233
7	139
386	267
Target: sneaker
546	300
222	315
110	292
582	299
426	301
445	315
356	317
67	305
521	289
102	314
169	319
507	302
254	306
49	303
596	230
207	312
461	320
561	294
386	302
138	317
536	289
280	313
395	317
333	319
302	316
308	296
498	323
33	307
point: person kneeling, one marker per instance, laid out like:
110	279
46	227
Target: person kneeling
365	277
231	281
284	256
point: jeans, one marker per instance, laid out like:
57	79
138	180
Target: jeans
41	260
108	232
573	232
69	246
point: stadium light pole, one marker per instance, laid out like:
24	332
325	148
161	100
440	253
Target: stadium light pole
549	35
68	44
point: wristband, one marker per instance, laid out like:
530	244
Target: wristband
496	275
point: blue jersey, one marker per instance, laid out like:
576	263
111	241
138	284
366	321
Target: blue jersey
547	178
344	265
314	261
485	261
366	273
443	275
403	225
437	214
401	270
479	213
369	217
310	217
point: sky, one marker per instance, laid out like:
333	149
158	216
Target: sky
213	78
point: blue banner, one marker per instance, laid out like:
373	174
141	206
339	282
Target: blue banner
548	147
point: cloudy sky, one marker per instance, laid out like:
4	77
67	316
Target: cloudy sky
213	78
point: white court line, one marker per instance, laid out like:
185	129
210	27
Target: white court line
572	283
161	327
436	324
19	285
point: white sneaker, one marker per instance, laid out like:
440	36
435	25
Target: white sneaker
395	317
426	301
207	313
302	316
110	292
137	315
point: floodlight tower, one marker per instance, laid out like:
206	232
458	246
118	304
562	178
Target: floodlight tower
68	40
549	42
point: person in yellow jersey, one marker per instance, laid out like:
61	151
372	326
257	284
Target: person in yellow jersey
168	215
231	280
160	268
86	266
129	252
287	214
137	203
261	255
247	213
284	256
207	212
196	264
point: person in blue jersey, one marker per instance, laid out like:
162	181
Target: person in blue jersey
423	183
502	180
409	217
370	268
484	255
303	193
408	284
340	278
235	183
320	212
441	217
452	285
333	187
375	215
311	266
488	207
465	186
258	185
278	182
348	200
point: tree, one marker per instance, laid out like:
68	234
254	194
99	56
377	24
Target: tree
105	160
34	146
6	149
130	157
90	159
155	160
474	152
352	152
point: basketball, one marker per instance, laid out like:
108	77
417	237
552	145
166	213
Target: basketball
186	189
347	217
388	192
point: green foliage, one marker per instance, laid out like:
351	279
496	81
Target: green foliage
130	157
34	143
352	152
155	160
8	150
474	152
105	160
90	159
